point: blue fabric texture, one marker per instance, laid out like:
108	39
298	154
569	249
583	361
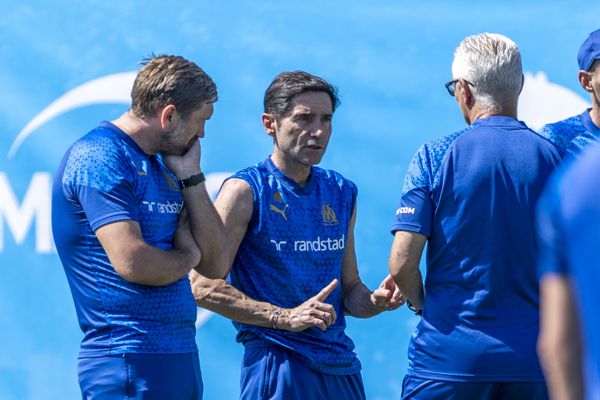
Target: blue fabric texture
573	134
105	177
294	246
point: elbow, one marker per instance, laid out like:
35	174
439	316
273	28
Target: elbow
214	266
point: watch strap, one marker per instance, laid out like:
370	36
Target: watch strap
191	181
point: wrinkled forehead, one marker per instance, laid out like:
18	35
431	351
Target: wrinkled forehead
311	102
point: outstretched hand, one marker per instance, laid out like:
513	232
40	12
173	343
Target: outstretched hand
387	296
313	312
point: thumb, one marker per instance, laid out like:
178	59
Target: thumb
326	291
380	297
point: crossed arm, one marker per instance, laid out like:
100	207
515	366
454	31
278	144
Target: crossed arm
235	205
199	240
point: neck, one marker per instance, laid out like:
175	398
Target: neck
479	113
299	173
143	131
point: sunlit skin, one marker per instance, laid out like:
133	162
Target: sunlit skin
301	135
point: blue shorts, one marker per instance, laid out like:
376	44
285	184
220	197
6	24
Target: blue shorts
427	389
272	372
141	376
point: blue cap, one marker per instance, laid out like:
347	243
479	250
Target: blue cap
589	51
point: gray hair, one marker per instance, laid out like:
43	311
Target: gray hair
492	64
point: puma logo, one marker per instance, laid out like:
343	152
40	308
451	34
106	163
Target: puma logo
279	211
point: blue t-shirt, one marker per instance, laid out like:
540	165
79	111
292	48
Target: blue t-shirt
294	246
573	134
103	178
473	194
569	232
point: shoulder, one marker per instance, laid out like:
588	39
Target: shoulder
433	151
331	177
429	156
252	175
95	158
564	130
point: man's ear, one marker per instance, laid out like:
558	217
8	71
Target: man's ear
522	83
269	124
168	117
585	79
467	95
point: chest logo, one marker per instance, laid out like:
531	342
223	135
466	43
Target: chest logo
173	187
277	198
329	217
141	167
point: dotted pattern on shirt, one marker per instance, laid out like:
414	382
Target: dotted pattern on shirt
424	168
134	318
275	263
569	135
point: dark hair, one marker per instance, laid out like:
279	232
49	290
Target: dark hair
286	85
165	80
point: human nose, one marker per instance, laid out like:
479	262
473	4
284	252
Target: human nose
317	129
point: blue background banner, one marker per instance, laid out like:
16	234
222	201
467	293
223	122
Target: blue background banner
67	65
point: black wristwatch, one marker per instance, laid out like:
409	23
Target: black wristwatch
191	181
413	308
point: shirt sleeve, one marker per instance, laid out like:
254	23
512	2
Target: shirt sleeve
98	177
415	212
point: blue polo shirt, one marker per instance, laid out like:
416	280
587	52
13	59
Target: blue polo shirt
569	231
573	134
473	194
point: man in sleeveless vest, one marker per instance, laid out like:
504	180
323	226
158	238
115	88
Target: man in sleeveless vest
294	275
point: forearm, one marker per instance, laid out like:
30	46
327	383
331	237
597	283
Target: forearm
357	301
410	283
208	231
563	382
148	265
559	343
404	266
219	296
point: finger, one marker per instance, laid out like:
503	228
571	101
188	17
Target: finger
318	322
396	302
397	296
328	309
326	291
385	283
380	297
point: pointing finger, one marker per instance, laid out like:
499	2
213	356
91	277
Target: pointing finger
326	291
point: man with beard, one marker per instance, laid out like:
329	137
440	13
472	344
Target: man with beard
125	244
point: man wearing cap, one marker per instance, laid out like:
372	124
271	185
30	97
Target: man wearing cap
573	134
471	196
